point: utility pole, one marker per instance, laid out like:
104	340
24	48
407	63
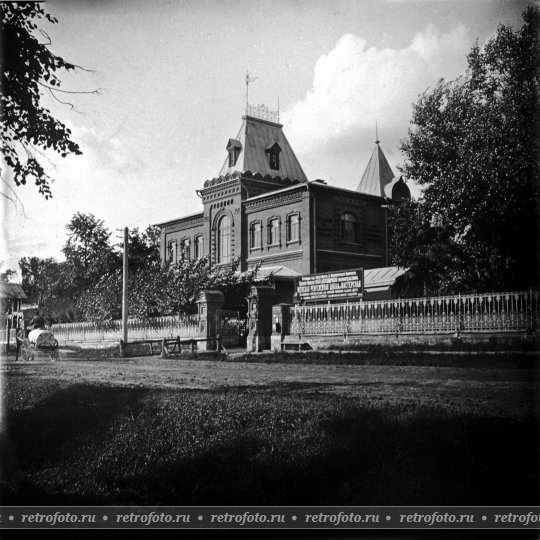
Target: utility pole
125	290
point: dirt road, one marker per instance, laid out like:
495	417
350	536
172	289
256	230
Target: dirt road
497	392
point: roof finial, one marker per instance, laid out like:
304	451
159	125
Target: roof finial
248	80
278	109
376	133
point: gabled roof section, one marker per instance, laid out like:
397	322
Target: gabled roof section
11	290
256	137
377	174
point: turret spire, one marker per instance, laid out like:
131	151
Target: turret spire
378	172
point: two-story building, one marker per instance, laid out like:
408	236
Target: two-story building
261	209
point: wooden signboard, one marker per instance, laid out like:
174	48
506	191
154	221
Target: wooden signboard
339	285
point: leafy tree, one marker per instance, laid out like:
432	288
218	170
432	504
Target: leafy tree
156	290
6	275
41	279
88	252
473	147
46	283
143	247
103	302
29	71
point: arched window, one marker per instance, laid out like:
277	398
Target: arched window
224	240
349	229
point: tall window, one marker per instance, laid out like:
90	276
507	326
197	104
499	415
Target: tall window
224	240
171	251
349	228
273	155
274	160
256	235
199	245
184	249
273	232
293	228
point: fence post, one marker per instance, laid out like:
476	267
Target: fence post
122	347
458	315
260	302
164	351
208	303
530	310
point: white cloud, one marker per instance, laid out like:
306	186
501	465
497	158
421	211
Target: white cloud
105	180
355	85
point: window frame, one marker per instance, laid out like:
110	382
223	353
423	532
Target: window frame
185	249
344	232
274	160
252	245
172	251
219	240
271	220
198	247
288	223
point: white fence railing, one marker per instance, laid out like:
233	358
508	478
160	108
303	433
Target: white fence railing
156	328
494	312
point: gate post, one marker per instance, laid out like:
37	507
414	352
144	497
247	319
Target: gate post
208	303
260	317
280	325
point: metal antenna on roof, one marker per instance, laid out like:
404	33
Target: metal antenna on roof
248	80
376	133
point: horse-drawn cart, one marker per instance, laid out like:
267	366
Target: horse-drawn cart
38	342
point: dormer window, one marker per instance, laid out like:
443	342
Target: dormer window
273	152
234	148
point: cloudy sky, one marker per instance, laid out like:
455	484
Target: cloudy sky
171	74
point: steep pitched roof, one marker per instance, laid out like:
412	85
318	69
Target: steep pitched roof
377	174
257	138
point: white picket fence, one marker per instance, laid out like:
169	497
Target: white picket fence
4	335
185	326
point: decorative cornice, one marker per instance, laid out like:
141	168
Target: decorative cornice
271	201
183	223
284	256
236	175
219	181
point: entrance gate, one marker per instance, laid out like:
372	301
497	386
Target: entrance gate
230	327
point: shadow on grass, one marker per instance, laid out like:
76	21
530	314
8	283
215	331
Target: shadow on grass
362	459
251	448
42	436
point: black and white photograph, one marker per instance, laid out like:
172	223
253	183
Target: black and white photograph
270	267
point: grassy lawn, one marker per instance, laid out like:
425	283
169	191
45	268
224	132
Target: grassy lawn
405	436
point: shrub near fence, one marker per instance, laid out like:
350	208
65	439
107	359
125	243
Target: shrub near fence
496	312
185	326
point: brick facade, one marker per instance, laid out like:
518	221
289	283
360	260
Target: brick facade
282	220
